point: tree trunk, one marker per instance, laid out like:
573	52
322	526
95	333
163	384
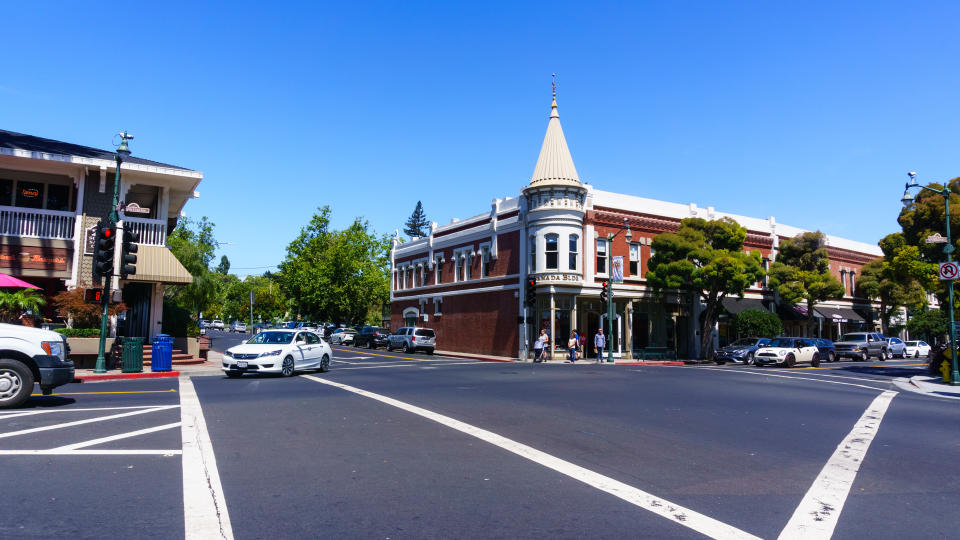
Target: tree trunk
706	329
883	318
811	319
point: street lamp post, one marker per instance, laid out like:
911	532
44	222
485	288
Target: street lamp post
610	237
123	151
948	249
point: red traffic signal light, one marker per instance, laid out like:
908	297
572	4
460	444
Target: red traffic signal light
531	291
604	291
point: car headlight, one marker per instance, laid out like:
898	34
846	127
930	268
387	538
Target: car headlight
271	353
781	353
53	348
228	354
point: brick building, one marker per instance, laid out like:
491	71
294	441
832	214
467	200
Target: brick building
53	193
467	279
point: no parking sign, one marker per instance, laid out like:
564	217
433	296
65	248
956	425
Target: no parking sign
949	270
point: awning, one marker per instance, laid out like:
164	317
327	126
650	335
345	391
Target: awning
736	305
792	313
839	314
157	264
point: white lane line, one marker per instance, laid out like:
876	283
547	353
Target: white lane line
48	411
865	379
86	421
56	452
819	511
379	367
205	512
102	440
673	512
794	377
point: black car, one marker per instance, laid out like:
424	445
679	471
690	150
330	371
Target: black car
741	351
827	351
371	337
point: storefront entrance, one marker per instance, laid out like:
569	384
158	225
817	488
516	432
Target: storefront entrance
136	320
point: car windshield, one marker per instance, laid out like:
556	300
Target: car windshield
272	338
853	337
781	342
744	343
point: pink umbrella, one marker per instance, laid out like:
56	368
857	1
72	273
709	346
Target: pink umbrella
10	281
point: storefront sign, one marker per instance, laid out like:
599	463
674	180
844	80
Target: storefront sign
89	240
134	208
30	193
34	258
616	270
544	278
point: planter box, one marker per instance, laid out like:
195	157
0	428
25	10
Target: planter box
188	345
83	351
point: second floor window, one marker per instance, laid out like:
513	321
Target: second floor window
533	254
601	256
574	251
485	263
634	259
551	251
38	195
438	268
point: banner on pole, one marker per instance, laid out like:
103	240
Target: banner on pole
616	270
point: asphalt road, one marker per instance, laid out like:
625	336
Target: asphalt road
388	445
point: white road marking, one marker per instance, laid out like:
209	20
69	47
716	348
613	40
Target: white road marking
794	377
819	511
102	440
86	421
673	512
47	411
56	452
205	512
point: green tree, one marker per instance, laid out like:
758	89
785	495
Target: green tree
901	278
931	325
758	323
193	243
14	303
705	258
801	273
224	267
927	215
416	225
268	300
336	275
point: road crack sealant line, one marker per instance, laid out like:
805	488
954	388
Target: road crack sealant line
205	514
818	512
674	512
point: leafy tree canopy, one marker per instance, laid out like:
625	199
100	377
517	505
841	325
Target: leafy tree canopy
269	302
224	267
927	215
901	278
758	323
930	325
801	273
416	225
706	258
194	244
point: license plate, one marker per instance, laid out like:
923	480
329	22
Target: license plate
241	364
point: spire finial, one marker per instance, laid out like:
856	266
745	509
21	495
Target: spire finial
553	86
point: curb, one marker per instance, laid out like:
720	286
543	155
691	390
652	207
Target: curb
651	363
480	358
120	376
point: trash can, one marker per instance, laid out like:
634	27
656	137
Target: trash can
132	355
162	359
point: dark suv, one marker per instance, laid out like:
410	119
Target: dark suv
371	337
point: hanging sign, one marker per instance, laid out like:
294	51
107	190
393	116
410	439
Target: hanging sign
616	270
936	238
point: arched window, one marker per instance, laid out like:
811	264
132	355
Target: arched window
551	250
410	316
574	251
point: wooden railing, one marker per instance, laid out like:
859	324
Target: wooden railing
36	223
153	232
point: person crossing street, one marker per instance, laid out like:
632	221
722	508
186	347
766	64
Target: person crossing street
599	343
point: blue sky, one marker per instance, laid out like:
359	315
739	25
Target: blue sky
809	111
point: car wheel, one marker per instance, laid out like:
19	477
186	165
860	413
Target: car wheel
234	374
370	344
884	355
831	357
749	359
916	354
719	362
864	357
286	369
790	361
406	348
815	361
325	364
16	383
429	351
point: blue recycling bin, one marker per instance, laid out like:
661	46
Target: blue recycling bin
162	357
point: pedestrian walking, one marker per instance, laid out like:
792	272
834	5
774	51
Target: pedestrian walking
572	347
599	343
576	347
542	341
538	347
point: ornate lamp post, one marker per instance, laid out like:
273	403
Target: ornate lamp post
610	303
948	249
123	151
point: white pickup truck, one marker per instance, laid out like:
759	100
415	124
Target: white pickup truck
27	356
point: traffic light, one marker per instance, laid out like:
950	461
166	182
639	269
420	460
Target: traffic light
93	295
531	291
128	257
103	247
604	292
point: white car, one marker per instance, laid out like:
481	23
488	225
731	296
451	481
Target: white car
278	351
917	349
787	351
342	336
217	324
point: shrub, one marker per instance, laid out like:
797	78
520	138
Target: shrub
758	323
79	332
178	321
70	304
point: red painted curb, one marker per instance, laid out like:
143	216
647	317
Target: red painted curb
120	376
654	363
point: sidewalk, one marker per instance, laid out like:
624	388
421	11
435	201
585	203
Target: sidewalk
210	367
929	385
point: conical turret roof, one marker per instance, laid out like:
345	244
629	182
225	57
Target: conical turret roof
555	165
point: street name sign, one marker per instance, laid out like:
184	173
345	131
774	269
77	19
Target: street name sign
949	270
936	238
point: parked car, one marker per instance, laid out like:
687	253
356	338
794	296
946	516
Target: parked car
861	346
31	355
204	323
371	337
788	351
342	336
828	351
238	326
896	347
278	351
412	339
216	324
916	349
741	351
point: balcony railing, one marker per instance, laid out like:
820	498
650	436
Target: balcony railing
153	232
36	223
